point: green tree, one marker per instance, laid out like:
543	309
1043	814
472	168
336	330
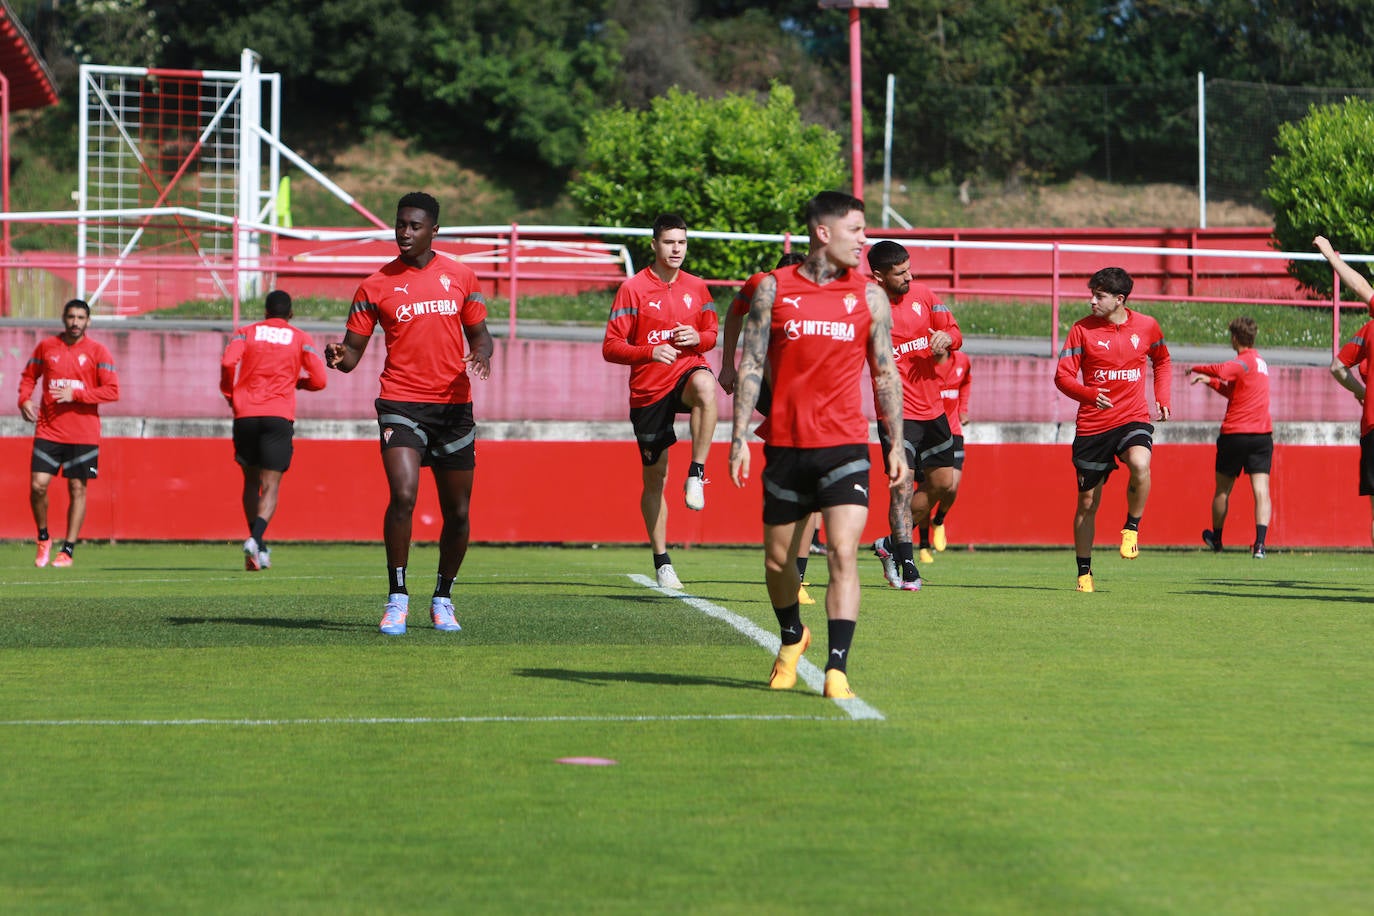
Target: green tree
732	164
1322	183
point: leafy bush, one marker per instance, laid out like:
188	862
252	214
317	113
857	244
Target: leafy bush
729	165
1322	183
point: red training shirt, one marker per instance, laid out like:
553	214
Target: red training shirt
817	351
918	315
1112	356
1244	382
745	297
954	375
269	357
1356	352
86	367
422	311
643	315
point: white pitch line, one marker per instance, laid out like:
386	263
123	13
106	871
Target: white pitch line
815	678
398	720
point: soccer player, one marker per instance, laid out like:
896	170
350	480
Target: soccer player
954	372
1102	367
1246	441
1351	366
734	324
259	373
922	327
78	376
815	326
663	323
434	316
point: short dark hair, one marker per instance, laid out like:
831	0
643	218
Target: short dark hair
665	221
1244	329
887	254
278	304
1112	280
789	258
420	201
830	205
77	304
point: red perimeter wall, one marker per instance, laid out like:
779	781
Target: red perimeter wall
188	489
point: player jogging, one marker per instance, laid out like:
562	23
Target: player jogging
816	326
955	375
1102	367
260	371
434	316
1246	441
78	376
922	327
662	324
1351	367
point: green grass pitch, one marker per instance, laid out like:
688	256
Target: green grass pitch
181	736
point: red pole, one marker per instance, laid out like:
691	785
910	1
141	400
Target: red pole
856	118
1335	314
513	259
1054	302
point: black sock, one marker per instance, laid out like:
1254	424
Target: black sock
68	547
841	635
443	588
905	553
789	620
924	532
1261	532
939	518
909	571
661	560
258	529
1085	566
801	566
1216	535
396	580
43	534
816	538
696	469
1132	523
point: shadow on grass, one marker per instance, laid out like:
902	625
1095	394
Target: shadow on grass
281	623
604	678
1283	590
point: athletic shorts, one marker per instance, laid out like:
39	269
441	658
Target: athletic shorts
72	461
444	434
653	423
1249	452
928	444
1367	464
799	481
1094	457
765	402
958	453
263	442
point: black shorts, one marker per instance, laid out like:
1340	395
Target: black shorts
1249	452
1094	457
799	481
958	453
928	444
263	442
765	402
72	461
1367	464
444	434
653	423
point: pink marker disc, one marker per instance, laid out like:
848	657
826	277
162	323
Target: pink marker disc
587	761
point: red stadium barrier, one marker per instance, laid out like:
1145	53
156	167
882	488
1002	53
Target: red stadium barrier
1021	494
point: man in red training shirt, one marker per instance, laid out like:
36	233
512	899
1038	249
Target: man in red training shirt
955	375
259	373
78	376
817	327
663	322
431	309
1246	441
1102	367
1351	367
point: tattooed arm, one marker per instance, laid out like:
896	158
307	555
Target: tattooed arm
887	383
750	377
